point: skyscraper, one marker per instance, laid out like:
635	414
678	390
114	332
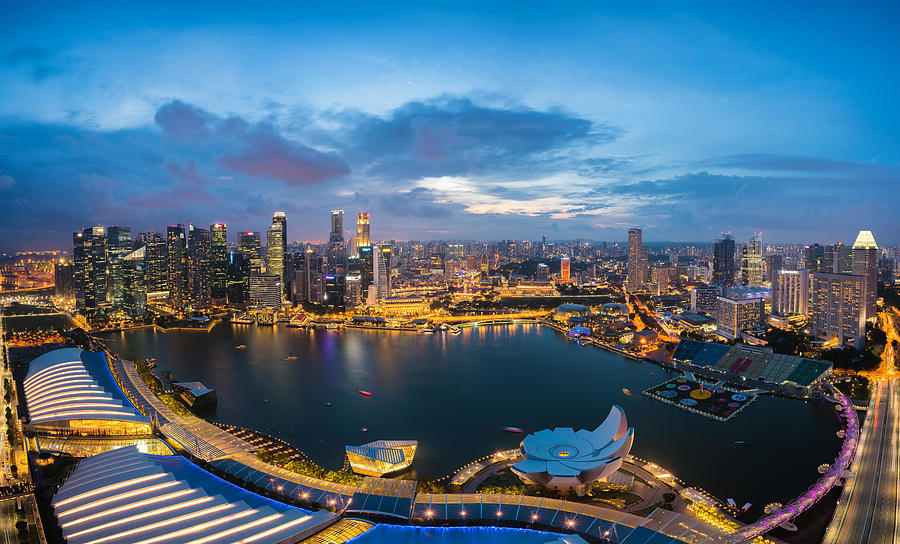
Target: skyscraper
382	270
366	268
565	272
177	267
751	261
199	267
362	229
337	226
118	244
865	264
237	279
89	251
837	311
249	246
814	255
134	283
637	265
155	257
774	263
218	262
276	246
723	261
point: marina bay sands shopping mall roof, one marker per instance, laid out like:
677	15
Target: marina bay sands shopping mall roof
71	391
124	496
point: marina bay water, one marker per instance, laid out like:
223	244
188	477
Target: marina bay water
455	393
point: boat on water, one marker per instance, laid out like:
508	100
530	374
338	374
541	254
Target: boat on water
746	507
364	429
153	360
513	430
364	393
455	330
740	442
626	391
242	346
331	326
291	358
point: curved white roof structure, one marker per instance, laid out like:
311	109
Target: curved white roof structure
66	387
564	458
124	496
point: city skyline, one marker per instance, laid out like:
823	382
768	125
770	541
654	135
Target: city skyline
449	123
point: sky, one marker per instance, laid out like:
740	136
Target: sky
452	121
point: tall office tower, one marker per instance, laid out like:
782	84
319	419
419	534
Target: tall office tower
865	264
199	267
300	279
790	292
843	259
774	263
362	229
337	226
353	291
177	266
723	261
265	291
237	278
218	262
334	291
155	257
134	283
382	270
637	266
249	246
366	267
565	273
886	270
64	279
276	246
837	311
736	314
315	288
814	255
703	299
118	244
751	261
89	250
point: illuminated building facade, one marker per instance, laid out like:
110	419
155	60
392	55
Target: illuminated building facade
565	272
837	310
382	270
134	283
265	291
118	244
736	314
334	291
723	261
366	267
865	265
237	288
177	266
249	246
752	261
218	262
704	298
70	392
790	292
155	261
637	261
89	251
64	279
362	230
199	268
276	246
381	457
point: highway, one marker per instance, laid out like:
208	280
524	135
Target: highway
868	508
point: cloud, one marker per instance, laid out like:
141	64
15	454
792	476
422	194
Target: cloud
418	202
453	136
40	63
257	150
6	181
269	155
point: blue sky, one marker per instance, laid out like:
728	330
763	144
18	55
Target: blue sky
451	121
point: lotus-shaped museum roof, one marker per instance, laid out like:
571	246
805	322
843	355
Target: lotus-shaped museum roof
563	457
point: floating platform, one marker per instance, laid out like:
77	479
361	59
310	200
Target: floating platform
700	398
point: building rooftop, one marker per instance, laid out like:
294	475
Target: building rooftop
865	240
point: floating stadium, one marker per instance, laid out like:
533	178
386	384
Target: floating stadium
743	362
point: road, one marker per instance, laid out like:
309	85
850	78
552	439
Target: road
868	509
8	522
